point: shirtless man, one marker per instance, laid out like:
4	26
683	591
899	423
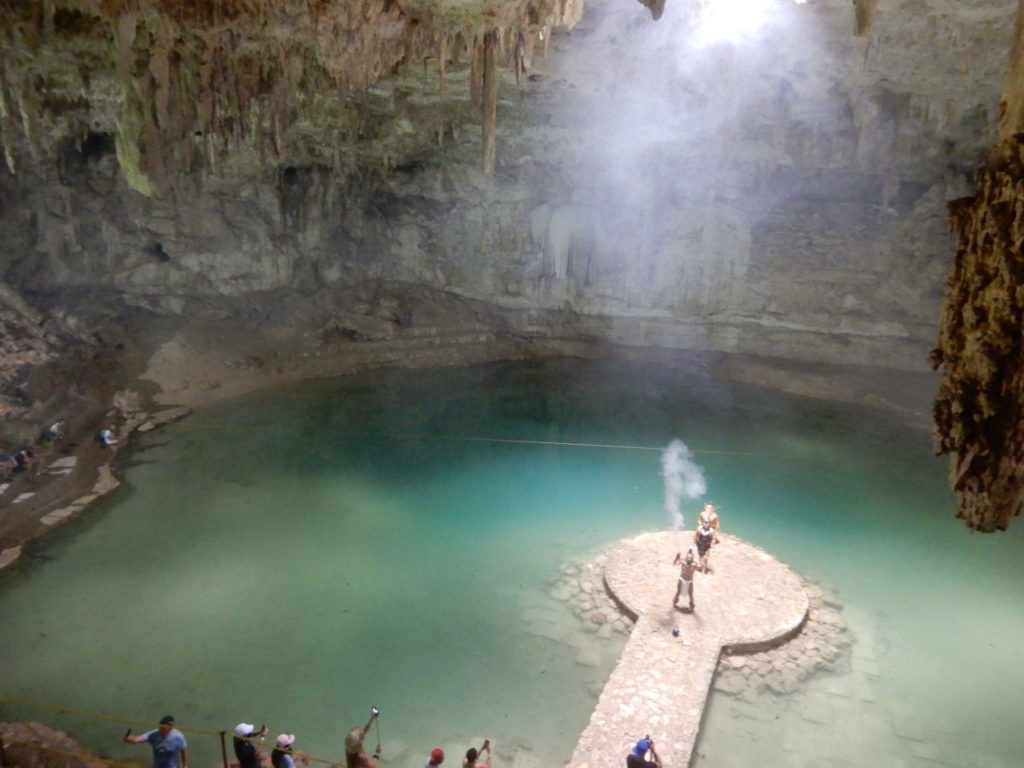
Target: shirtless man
709	515
687	567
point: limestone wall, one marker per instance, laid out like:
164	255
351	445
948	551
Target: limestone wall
780	194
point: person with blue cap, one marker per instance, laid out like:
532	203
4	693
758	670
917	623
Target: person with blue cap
169	747
637	758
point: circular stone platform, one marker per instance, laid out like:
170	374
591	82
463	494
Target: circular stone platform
749	601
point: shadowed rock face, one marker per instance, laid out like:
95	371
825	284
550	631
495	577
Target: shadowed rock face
979	411
318	171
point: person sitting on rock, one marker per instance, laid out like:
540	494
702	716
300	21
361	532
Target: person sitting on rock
637	758
107	437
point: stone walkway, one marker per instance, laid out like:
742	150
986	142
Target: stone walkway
749	601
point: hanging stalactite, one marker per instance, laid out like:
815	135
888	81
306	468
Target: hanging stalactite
979	410
489	108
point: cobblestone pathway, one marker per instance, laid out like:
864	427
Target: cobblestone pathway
749	600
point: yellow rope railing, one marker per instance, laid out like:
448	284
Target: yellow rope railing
220	734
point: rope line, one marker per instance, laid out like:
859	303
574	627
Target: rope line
556	443
128	721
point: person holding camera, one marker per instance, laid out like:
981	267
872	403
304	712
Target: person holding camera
472	759
637	758
355	756
247	748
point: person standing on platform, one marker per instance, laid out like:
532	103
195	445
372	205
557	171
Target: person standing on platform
637	758
687	567
702	538
170	750
709	515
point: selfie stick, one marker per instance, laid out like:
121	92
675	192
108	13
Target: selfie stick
377	720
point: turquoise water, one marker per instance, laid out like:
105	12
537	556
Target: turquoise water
297	556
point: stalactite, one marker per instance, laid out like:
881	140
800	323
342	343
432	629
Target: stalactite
442	61
519	59
476	72
863	11
490	98
159	67
979	410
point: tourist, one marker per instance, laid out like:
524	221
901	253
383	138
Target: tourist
27	460
687	567
169	747
472	759
436	758
55	433
709	515
703	537
637	758
247	751
107	437
355	756
281	756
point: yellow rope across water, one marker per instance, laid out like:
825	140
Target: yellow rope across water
556	443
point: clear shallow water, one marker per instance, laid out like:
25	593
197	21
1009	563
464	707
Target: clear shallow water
296	556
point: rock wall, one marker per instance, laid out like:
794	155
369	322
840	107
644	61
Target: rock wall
778	191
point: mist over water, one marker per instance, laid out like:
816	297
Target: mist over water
299	555
683	479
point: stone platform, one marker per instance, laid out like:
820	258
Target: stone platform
749	601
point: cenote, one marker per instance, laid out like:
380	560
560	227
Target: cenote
296	556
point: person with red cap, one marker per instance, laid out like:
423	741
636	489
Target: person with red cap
436	758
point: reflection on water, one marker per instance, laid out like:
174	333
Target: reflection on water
297	556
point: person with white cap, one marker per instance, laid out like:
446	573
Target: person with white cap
247	750
355	756
281	757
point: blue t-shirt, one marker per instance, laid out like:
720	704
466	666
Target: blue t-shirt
166	748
